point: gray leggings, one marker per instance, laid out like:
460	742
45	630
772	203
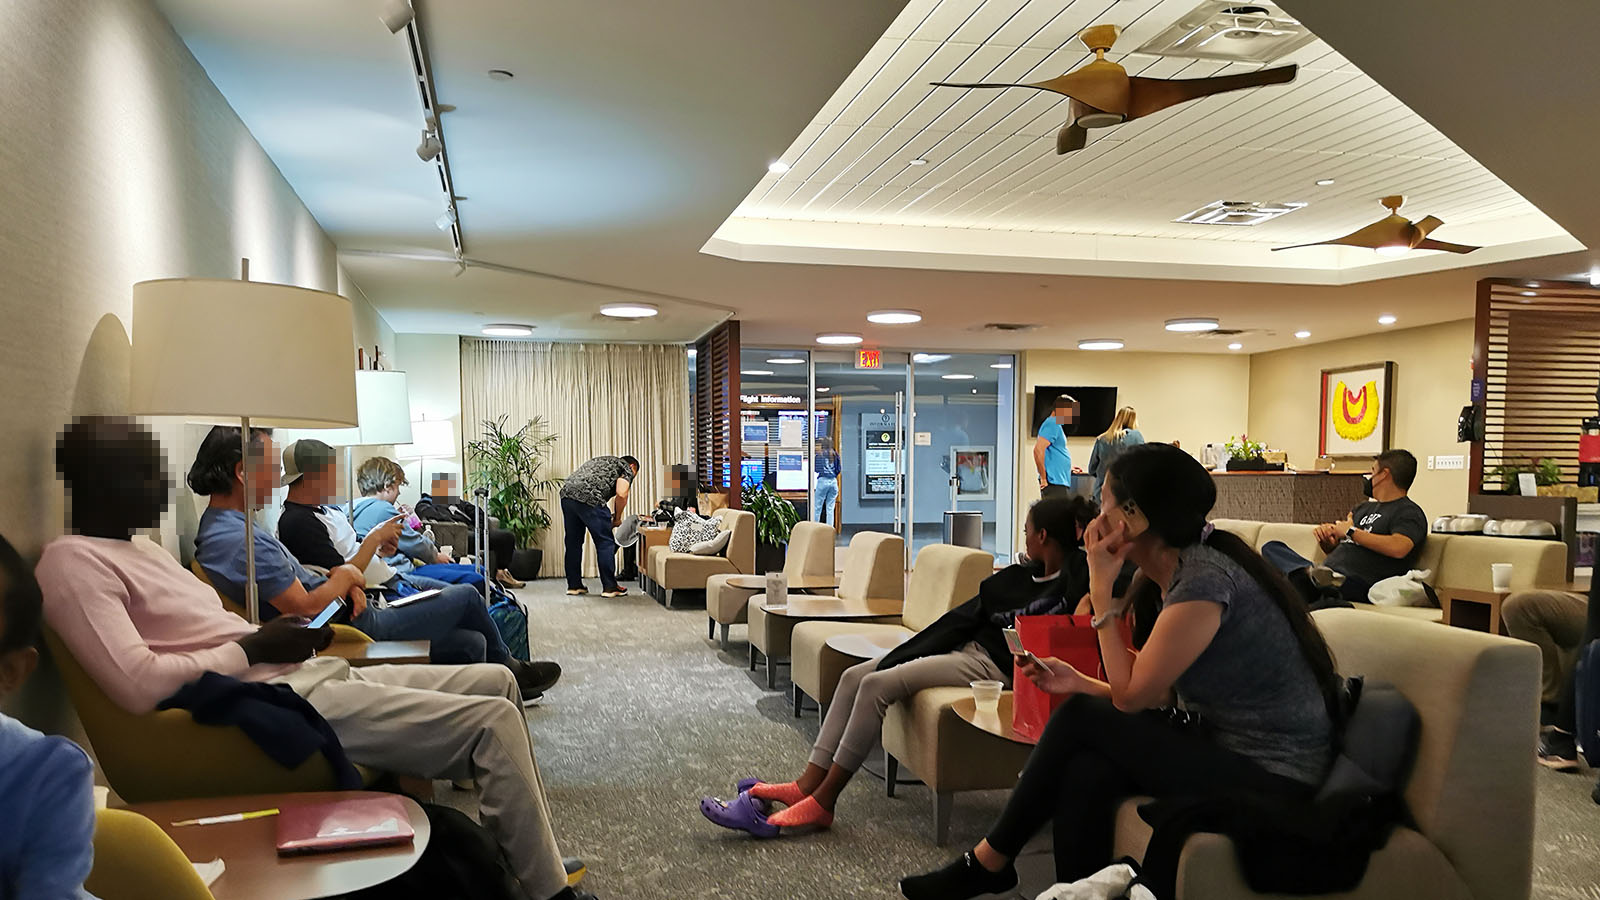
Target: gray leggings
855	718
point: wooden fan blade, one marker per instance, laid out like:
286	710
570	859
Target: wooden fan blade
1346	241
1102	85
1298	246
1071	137
1425	225
1148	95
1431	244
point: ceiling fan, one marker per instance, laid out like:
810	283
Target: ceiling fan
1103	94
1394	235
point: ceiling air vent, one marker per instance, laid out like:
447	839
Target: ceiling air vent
1231	31
1237	212
1008	326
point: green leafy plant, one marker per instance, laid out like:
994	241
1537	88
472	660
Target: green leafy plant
508	463
1243	449
775	516
1546	472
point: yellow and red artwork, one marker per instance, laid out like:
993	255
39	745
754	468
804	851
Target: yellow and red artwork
1356	410
1355	413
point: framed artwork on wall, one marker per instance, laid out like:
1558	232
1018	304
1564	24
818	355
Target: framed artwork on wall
1357	417
974	470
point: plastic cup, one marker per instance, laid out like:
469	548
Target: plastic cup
1500	574
777	589
986	696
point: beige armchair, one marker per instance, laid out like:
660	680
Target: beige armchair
1471	791
943	578
809	552
874	566
674	571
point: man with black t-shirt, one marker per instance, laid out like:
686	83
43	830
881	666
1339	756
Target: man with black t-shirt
1380	539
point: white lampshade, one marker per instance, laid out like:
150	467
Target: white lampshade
214	349
432	439
384	407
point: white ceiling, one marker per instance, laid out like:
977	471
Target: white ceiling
994	194
632	131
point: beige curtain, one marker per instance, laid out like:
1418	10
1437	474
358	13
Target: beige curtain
601	399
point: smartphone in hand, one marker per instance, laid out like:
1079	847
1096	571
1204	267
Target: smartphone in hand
328	612
1014	643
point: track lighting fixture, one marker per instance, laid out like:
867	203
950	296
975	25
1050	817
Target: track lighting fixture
429	148
445	221
396	15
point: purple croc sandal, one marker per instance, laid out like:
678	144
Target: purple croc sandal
740	815
763	807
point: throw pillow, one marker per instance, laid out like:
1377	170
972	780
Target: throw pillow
689	529
713	547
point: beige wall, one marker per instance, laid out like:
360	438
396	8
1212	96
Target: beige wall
1192	398
1432	377
121	163
432	363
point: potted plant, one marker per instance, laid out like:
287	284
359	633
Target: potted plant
1245	455
775	520
509	463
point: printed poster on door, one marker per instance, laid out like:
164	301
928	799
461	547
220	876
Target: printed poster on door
878	463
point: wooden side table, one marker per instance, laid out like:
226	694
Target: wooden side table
997	723
797	583
249	849
380	653
1477	610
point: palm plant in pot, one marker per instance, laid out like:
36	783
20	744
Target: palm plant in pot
775	520
509	463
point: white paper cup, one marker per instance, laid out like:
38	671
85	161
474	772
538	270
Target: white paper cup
1500	574
986	696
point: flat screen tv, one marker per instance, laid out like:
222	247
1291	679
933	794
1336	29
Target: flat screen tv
1097	406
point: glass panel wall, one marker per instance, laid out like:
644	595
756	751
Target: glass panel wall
867	407
963	446
775	440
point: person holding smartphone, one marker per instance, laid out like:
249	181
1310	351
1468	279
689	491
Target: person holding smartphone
1234	643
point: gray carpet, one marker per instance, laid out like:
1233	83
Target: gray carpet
650	716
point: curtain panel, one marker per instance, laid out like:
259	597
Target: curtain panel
599	399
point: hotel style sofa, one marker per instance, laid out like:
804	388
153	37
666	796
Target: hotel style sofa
671	570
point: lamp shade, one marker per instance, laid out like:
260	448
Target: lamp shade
384	409
433	439
210	348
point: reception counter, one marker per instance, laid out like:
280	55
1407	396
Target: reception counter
1305	497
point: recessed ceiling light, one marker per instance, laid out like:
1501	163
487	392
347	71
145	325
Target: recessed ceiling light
930	357
755	371
1386	319
777	167
1101	344
838	337
1235	346
505	329
919	162
501	74
894	316
1530	293
974	390
1192	324
629	310
823	390
1302	335
1533	284
1324	182
1000	365
958	376
1594	277
786	361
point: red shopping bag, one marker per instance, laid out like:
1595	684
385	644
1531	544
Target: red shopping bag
1069	638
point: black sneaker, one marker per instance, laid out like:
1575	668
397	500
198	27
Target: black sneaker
535	678
575	870
962	879
1558	750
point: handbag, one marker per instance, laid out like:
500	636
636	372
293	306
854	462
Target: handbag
1071	639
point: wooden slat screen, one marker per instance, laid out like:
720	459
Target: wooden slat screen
716	411
1537	352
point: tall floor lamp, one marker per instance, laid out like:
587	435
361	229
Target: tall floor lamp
383	406
268	355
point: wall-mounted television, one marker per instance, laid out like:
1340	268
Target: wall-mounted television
1097	406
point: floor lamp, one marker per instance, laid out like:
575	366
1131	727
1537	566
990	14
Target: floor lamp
383	406
266	355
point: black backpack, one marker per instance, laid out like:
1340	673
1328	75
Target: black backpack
461	862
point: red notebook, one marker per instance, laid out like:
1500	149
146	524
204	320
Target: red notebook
343	825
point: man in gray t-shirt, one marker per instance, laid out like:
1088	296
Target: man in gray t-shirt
585	496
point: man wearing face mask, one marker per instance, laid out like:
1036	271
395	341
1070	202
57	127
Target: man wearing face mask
1379	539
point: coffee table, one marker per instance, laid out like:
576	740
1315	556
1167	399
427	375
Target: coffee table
1477	610
866	646
997	723
807	607
379	653
797	583
249	848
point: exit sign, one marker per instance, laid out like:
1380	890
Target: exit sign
869	359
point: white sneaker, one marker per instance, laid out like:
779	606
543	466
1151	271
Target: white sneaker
1106	884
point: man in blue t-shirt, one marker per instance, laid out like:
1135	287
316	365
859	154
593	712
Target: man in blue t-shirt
46	783
1050	453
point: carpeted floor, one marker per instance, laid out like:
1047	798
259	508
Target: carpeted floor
649	716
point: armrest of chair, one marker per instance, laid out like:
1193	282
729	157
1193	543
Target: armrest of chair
133	858
349	634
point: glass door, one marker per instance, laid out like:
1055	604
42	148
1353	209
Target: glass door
859	463
963	449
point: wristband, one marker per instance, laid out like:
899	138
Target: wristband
1102	621
1351	533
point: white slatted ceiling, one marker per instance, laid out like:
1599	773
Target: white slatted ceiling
991	154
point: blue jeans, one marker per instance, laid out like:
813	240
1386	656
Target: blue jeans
456	622
1283	558
827	492
576	518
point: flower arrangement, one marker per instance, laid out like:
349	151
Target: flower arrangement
1244	449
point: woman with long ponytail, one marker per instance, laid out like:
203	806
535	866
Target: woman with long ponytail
1233	647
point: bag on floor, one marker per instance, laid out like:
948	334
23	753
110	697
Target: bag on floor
461	862
511	619
1588	683
1069	638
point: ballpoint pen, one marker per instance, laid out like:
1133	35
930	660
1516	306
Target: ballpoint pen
232	817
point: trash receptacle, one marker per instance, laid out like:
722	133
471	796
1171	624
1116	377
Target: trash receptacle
963	528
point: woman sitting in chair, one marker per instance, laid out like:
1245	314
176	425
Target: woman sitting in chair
964	645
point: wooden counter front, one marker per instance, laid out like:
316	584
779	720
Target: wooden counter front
1304	497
